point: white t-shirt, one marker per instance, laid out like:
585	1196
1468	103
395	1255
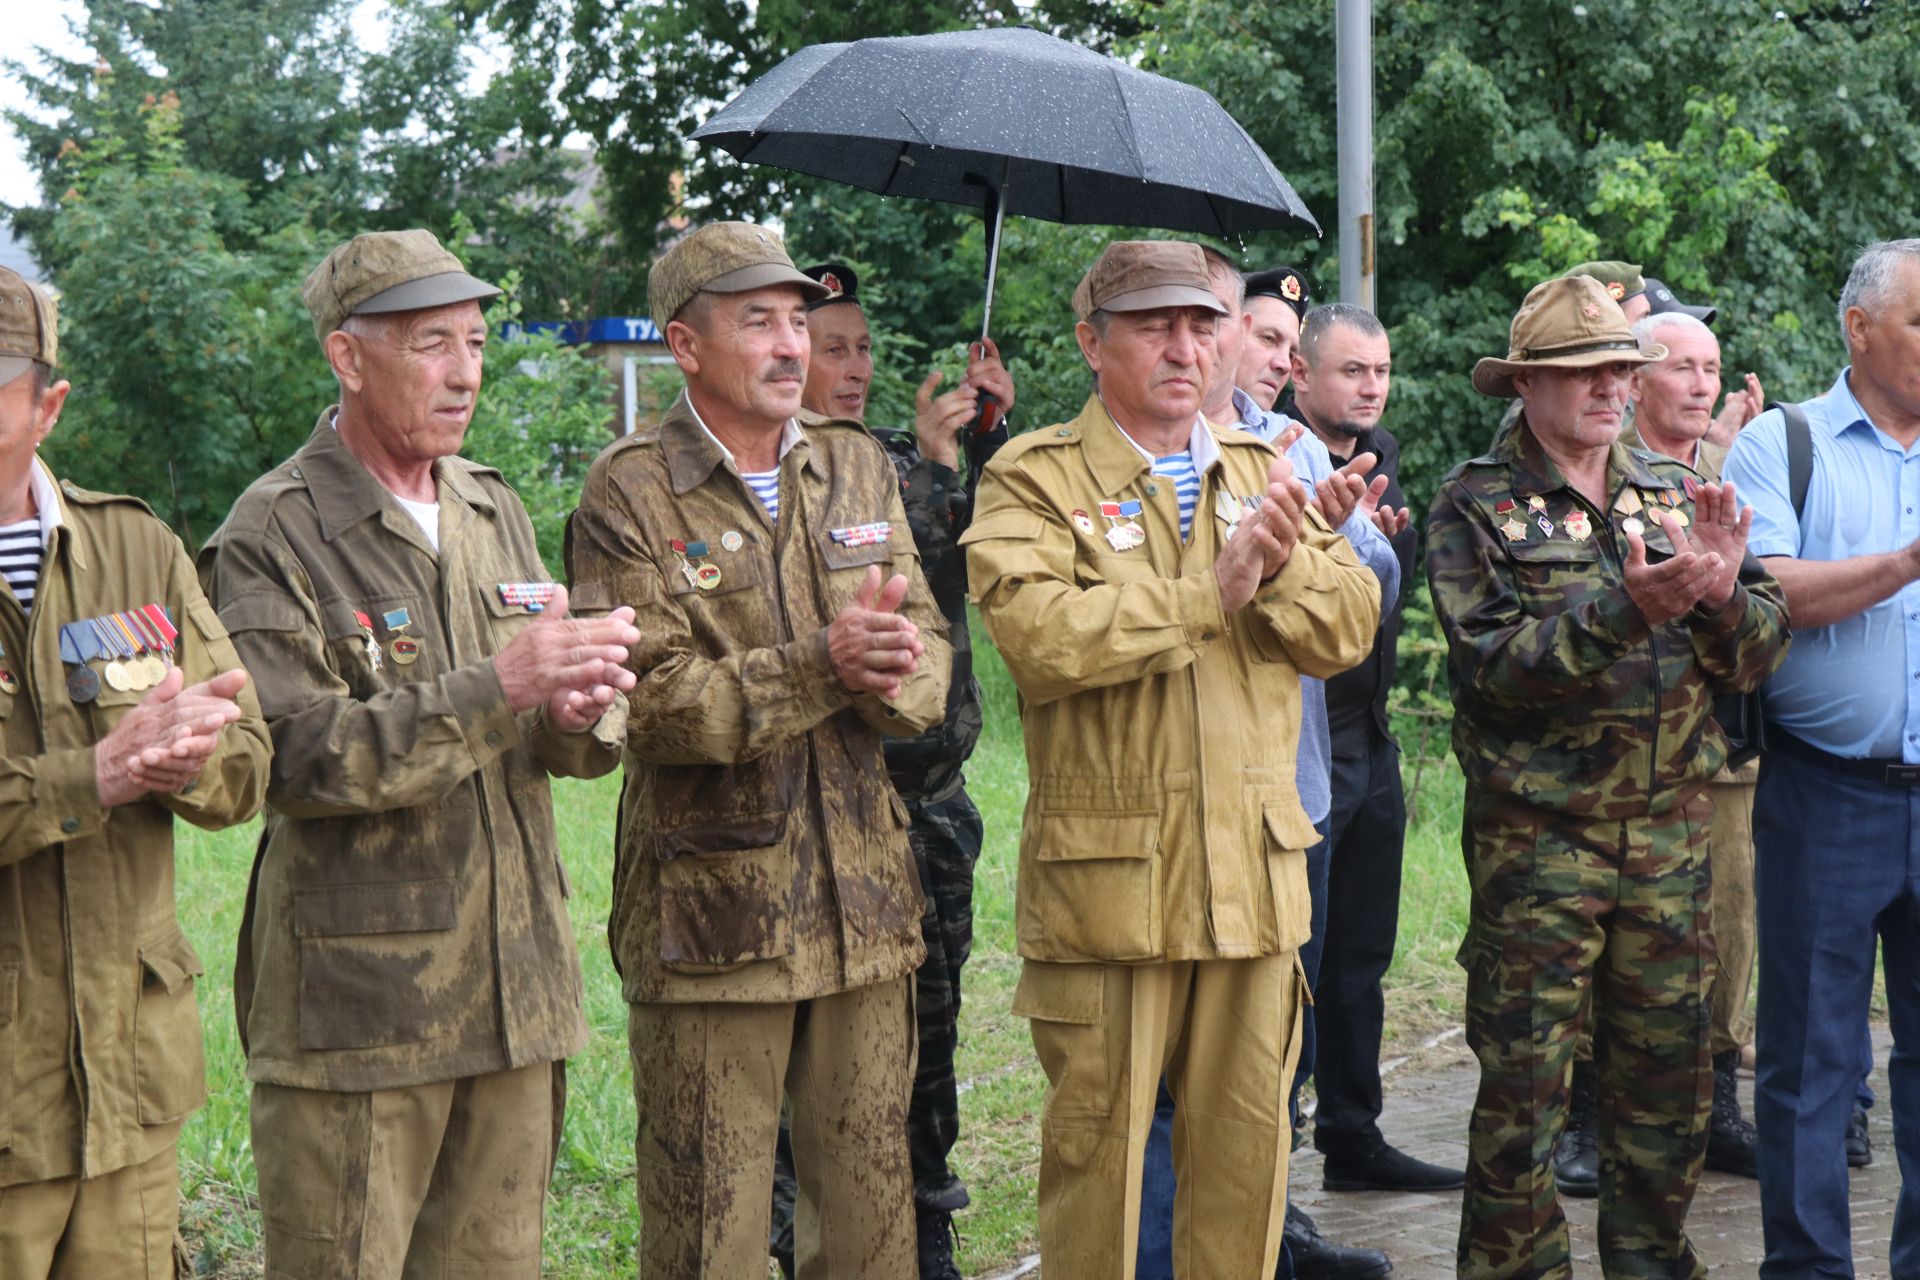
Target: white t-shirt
426	515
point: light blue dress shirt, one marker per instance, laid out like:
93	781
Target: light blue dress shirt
1312	464
1844	688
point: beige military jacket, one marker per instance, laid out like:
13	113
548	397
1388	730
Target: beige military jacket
100	1053
407	919
762	850
1162	819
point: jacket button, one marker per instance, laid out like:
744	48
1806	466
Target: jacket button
1153	491
1064	432
295	473
191	783
1208	635
493	737
69	825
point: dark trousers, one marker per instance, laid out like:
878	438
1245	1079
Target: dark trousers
1153	1256
1837	869
946	835
1366	832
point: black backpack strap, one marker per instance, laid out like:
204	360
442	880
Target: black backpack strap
1799	454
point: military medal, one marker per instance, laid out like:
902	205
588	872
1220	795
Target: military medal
1504	506
153	666
114	672
1228	508
699	575
862	535
1679	517
367	641
1083	522
1546	526
82	685
77	646
1633	526
1692	488
1536	503
731	540
404	648
1123	531
532	596
1577	526
1515	531
9	683
1629	502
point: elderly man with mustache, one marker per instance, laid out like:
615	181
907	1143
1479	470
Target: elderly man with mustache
766	911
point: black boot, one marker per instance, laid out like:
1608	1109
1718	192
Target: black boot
935	1229
1732	1144
1576	1157
1859	1141
1317	1258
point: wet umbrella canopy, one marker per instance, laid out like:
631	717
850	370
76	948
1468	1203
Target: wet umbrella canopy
1046	128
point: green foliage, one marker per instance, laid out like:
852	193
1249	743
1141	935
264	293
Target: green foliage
544	413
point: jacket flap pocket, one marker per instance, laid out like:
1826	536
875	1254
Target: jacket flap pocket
838	555
1288	827
261	611
410	906
170	960
1060	993
1078	837
1019	526
337	621
753	831
1556	550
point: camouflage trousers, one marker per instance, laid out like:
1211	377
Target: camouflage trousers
1563	905
946	834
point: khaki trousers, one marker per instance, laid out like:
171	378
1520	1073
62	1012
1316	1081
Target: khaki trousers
708	1080
1226	1034
1731	855
118	1226
423	1183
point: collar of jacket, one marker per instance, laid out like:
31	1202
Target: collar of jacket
345	492
1115	460
59	531
1534	472
693	453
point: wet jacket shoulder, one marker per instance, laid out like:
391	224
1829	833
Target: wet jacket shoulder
1162	818
762	851
100	1046
1565	696
407	917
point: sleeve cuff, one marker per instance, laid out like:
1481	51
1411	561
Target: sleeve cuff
67	791
480	703
1200	612
1618	620
1725	620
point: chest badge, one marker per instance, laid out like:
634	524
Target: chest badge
700	575
731	540
1634	526
862	535
367	641
1123	527
1577	526
404	648
1514	530
1083	522
1536	503
1629	502
1546	526
533	596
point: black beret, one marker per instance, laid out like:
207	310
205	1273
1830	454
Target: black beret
1284	283
843	284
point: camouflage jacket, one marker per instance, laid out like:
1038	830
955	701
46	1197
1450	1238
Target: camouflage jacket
1163	821
762	853
406	922
100	1050
939	508
1564	696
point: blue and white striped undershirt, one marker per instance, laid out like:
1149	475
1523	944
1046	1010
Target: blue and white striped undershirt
766	487
1178	467
20	556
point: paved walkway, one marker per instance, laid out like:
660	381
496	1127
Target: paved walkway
1428	1101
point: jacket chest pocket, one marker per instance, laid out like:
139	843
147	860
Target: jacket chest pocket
1557	575
505	620
1116	567
726	893
384	651
169	1063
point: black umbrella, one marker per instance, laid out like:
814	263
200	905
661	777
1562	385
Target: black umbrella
1010	120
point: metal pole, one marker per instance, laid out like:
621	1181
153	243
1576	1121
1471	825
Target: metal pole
1353	59
993	253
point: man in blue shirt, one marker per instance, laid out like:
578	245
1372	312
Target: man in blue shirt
1836	818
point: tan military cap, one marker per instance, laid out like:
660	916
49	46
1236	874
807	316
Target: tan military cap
1569	323
1140	275
29	326
1622	279
385	271
722	257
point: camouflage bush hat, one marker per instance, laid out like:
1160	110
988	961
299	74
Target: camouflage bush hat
1141	275
385	271
1622	279
722	257
1569	323
29	326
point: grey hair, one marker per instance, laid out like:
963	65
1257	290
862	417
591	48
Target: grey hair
1220	267
377	327
1318	322
1871	279
1646	326
1100	320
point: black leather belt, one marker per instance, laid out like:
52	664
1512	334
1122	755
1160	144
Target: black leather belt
1892	773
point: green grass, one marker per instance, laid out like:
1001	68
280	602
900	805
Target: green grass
592	1223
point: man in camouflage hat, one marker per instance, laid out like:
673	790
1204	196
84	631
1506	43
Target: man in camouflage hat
943	824
1594	600
1157	585
767	911
122	706
407	983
